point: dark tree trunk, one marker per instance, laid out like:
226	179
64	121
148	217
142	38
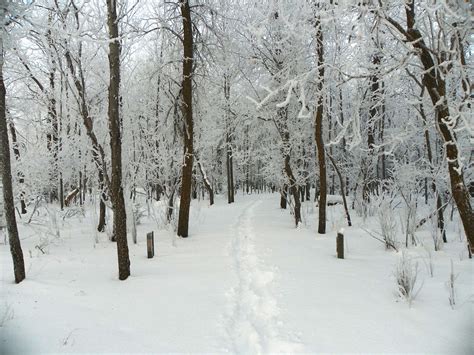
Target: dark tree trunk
170	208
206	183
435	83
5	168
98	154
116	190
229	168
439	202
332	187
318	130
228	140
247	155
293	189
370	181
308	191
21	180
102	207
283	196
286	152
187	110
344	149
53	129
341	182
61	192
84	186
194	187
81	187
382	167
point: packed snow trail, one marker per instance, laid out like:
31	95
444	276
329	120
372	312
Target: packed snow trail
254	314
245	282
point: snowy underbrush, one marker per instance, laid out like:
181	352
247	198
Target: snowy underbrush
398	217
407	278
387	224
163	216
45	223
415	289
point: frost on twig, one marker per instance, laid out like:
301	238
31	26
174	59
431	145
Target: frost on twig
406	276
450	285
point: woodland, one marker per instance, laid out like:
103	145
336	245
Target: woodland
212	123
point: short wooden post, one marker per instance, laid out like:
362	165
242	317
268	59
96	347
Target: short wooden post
340	244
150	245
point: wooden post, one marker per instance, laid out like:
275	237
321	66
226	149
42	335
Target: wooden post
150	245
340	244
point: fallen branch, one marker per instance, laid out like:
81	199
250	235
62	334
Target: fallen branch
388	243
38	199
424	220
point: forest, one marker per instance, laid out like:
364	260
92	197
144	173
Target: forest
236	176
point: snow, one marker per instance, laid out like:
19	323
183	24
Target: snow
245	281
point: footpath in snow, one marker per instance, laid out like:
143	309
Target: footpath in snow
254	318
245	281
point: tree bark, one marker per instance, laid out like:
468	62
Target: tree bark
318	130
370	181
283	196
439	202
206	183
187	110
98	154
5	167
293	189
102	206
116	190
341	182
53	129
228	140
435	83
21	176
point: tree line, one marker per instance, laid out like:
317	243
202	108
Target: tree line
176	100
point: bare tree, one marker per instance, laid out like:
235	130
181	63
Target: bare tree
116	190
434	80
318	127
187	111
5	167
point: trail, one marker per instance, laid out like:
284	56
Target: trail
252	324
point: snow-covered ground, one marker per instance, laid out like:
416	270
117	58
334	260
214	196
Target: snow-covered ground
245	281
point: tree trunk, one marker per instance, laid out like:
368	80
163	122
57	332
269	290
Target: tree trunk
370	181
53	129
80	188
318	130
170	208
98	154
283	196
228	140
102	207
21	180
187	110
230	173
439	201
116	190
435	83
341	182
61	192
293	190
5	167
206	183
